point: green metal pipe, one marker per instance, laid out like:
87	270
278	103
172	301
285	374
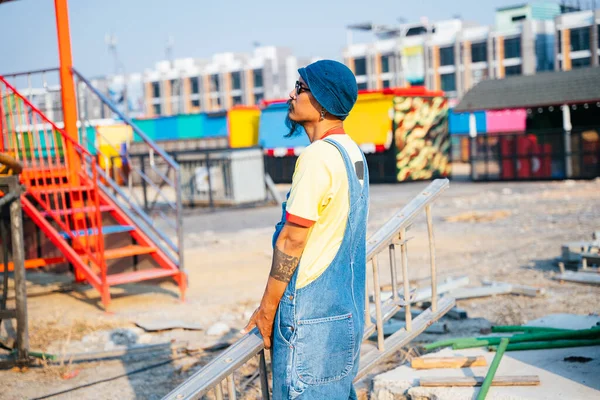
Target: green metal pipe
528	329
529	337
487	382
555	344
466	343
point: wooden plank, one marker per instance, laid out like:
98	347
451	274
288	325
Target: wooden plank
444	381
447	362
578	277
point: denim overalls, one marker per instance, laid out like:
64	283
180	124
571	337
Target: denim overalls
318	329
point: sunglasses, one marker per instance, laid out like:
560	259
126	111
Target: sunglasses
300	88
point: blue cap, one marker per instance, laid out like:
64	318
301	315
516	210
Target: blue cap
333	85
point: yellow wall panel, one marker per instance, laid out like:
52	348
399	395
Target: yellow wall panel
370	121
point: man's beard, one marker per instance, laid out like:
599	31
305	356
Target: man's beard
293	126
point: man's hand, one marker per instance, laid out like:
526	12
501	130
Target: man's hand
263	319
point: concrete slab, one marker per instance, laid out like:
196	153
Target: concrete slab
566	321
559	379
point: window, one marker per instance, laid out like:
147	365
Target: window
519	18
362	86
156	109
446	56
214	83
258	98
581	62
258	78
236	80
598	34
511	71
196	103
385	63
195	84
386	83
448	82
360	66
175	88
156	90
512	48
580	39
479	52
236	100
559	38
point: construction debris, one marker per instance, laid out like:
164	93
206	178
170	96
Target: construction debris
578	277
489	377
457	313
532	380
473	216
447	362
164	325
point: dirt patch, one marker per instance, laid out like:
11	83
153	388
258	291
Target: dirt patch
474	216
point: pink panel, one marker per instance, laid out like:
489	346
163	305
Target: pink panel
506	120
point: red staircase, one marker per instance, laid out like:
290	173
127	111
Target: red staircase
66	199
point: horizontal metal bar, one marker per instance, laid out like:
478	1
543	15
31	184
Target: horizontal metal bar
219	368
8	314
384	235
9	198
34	72
402	337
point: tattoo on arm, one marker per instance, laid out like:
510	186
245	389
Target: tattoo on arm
283	266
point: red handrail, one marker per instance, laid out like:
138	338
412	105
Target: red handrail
42	151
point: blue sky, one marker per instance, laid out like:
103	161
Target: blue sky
201	28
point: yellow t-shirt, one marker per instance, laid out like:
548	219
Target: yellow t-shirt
319	199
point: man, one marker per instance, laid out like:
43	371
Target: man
312	311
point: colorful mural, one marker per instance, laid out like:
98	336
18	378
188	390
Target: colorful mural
421	135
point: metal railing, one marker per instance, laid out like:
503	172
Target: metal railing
66	192
540	155
166	192
213	177
42	89
222	369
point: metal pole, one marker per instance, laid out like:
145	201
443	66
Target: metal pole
144	183
567	127
219	391
404	258
377	294
179	217
19	271
264	379
473	139
231	387
432	259
210	197
394	272
67	86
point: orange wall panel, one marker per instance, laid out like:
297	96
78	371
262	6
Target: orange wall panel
566	50
148	99
166	95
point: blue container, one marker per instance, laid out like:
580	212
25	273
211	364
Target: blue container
190	126
459	122
214	125
148	126
166	128
272	129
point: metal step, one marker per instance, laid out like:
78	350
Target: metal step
106	230
127	251
72	211
61	189
136	276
